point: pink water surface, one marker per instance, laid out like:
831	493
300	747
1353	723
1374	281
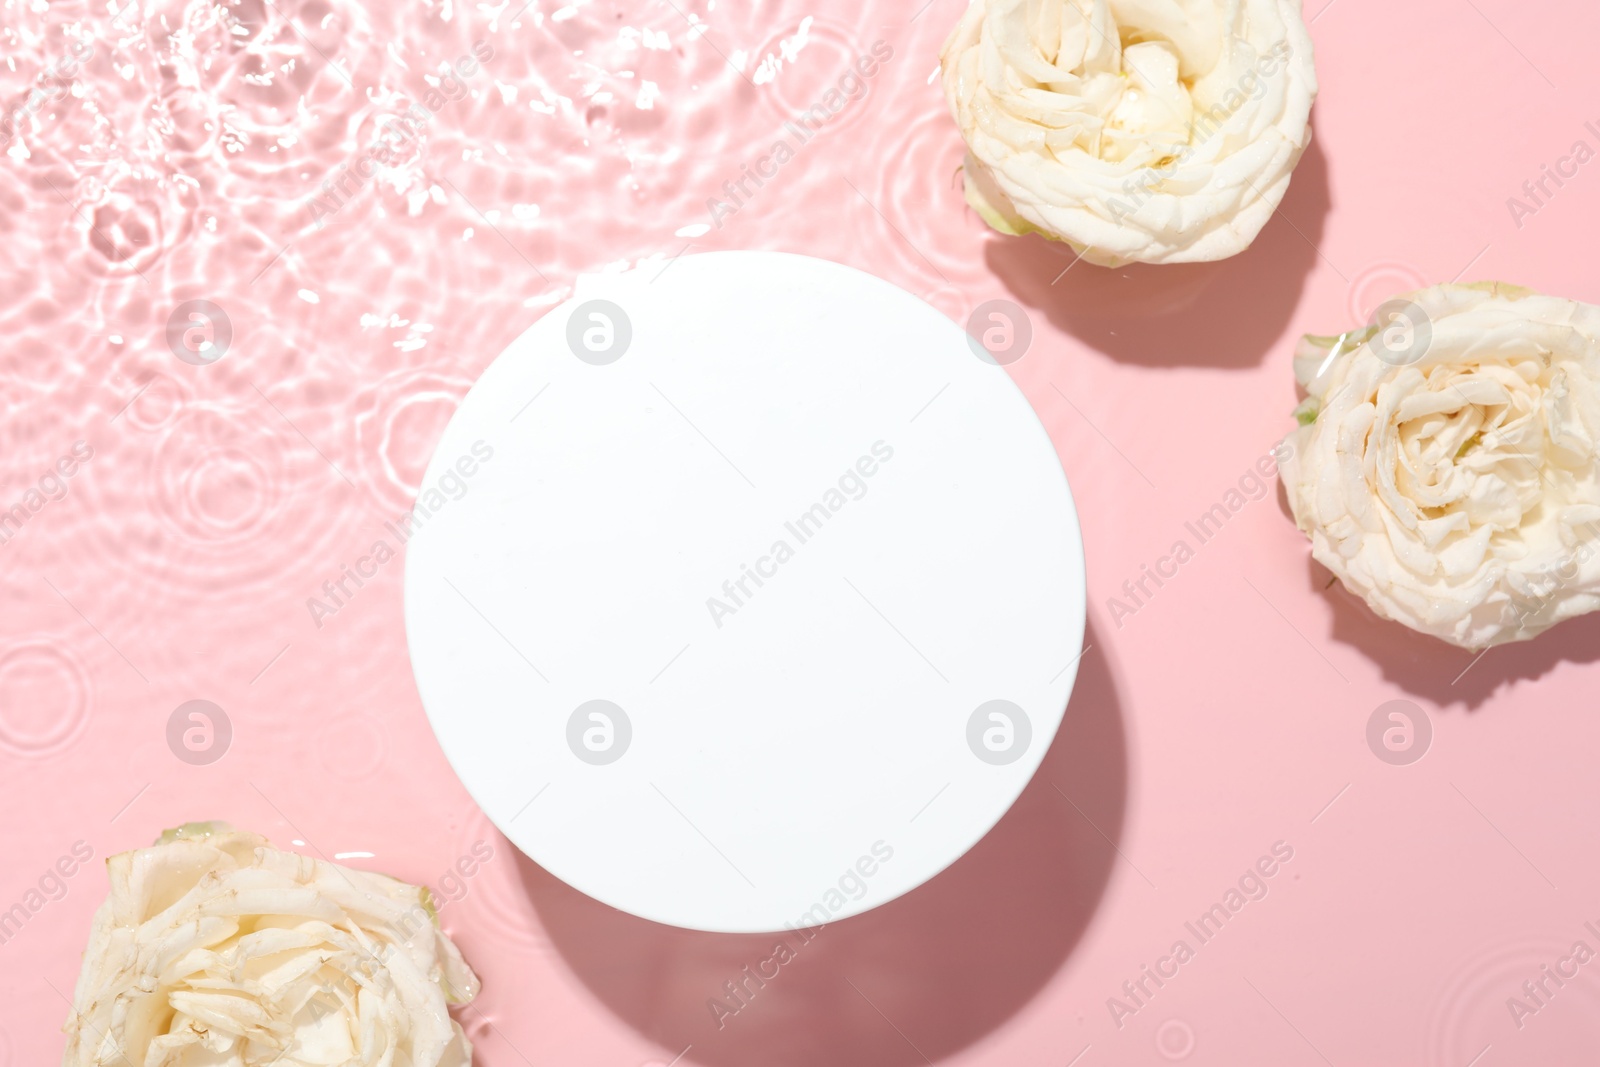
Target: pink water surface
180	159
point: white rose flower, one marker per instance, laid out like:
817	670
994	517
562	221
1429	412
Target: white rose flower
1158	131
1445	469
216	950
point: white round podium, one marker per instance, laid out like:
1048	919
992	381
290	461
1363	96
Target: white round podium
744	594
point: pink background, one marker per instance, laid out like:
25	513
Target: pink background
1227	715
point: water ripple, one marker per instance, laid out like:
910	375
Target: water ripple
44	697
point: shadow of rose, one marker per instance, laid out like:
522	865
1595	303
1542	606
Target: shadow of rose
1228	314
914	980
1434	670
